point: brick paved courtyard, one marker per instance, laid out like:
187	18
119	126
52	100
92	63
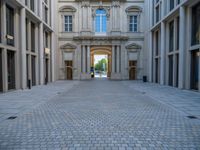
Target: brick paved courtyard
100	114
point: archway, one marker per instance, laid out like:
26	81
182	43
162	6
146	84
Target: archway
101	50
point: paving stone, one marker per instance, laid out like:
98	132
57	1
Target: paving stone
107	115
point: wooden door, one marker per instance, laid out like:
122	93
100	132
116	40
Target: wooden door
69	71
132	70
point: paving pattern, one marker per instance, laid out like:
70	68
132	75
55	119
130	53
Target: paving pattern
102	115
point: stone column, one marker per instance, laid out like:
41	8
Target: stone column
88	59
23	47
162	55
113	59
41	53
79	61
83	59
5	70
118	59
181	47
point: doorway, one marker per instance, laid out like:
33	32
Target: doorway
33	70
195	69
46	70
132	70
1	72
101	61
11	69
100	66
69	69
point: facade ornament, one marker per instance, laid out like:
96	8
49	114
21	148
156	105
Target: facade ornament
85	4
107	9
115	4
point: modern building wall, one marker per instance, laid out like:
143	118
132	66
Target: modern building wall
27	45
175	43
82	40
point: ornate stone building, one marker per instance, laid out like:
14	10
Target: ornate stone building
114	28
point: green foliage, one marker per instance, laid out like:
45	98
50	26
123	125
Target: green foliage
101	64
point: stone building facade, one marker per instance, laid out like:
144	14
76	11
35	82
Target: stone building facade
113	28
26	48
174	39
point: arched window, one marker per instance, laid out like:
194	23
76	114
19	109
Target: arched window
100	21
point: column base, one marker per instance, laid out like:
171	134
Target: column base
85	76
116	76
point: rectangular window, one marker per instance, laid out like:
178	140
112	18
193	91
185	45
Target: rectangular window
133	23
46	40
100	21
1	72
27	38
11	69
171	36
171	70
68	23
157	43
46	14
32	4
195	69
171	4
196	24
26	2
178	31
157	13
10	25
32	37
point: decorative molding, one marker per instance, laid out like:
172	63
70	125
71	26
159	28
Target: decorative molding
85	4
106	8
68	46
133	46
67	9
116	3
133	9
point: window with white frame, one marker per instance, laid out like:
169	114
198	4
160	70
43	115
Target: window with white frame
68	23
133	18
100	21
133	23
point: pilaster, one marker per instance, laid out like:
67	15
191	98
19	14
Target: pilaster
162	55
181	48
23	47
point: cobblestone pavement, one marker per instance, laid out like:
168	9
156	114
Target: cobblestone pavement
102	115
185	101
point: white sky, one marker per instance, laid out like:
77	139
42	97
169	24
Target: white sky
99	57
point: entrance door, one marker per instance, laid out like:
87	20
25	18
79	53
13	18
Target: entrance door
69	71
132	70
1	72
33	71
46	70
11	69
195	70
